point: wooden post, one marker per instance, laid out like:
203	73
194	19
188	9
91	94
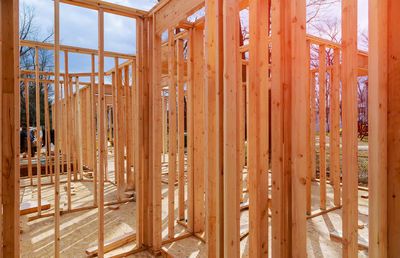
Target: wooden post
156	134
322	126
100	242
312	126
115	124
198	129
28	131
93	125
334	130
190	136
349	125
164	125
57	127
378	129
181	130
231	173
280	144
128	129
210	114
79	126
258	128
220	128
10	113
309	135
47	132
38	131
68	89
393	135
172	133
299	135
119	153
383	99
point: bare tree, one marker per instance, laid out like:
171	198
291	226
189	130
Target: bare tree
29	30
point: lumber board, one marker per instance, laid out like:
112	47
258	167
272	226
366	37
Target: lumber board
181	128
56	128
258	128
107	7
32	206
300	159
113	243
280	130
38	130
175	11
334	134
156	135
309	132
198	130
230	88
210	98
322	126
101	117
335	235
190	136
377	130
349	126
72	49
393	176
172	133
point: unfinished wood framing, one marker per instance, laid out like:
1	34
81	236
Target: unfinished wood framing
244	130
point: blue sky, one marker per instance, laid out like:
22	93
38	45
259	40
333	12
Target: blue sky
78	27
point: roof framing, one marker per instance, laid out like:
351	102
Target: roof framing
108	7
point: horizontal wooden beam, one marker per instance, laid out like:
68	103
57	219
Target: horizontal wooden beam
108	7
171	14
79	50
113	243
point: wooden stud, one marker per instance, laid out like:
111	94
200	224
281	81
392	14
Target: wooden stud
312	126
93	124
48	132
10	126
231	173
280	144
258	128
57	126
210	98
38	131
198	130
115	125
299	135
220	130
68	119
28	138
190	136
309	135
393	135
128	129
181	129
322	126
172	133
100	242
349	125
334	130
156	134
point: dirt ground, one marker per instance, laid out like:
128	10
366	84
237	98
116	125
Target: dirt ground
79	229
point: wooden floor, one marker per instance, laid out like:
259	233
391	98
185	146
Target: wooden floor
79	229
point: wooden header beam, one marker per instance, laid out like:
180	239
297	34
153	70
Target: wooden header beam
108	7
169	15
79	50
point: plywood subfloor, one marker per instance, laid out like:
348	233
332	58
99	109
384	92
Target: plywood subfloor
79	229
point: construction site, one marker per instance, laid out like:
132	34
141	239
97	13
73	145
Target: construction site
203	141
